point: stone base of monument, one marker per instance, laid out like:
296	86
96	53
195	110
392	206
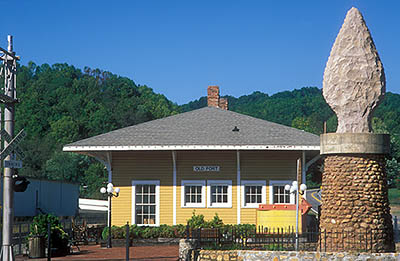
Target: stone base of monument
355	211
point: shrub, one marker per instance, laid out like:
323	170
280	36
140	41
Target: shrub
59	239
216	222
197	221
134	231
116	232
179	230
166	231
104	234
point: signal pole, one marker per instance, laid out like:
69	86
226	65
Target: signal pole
9	99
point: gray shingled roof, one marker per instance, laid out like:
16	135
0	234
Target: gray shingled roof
206	126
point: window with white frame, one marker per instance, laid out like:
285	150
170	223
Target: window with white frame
146	202
219	193
278	194
193	193
253	193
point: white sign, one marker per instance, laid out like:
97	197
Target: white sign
205	168
13	164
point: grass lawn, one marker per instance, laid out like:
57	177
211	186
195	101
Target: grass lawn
394	196
394	200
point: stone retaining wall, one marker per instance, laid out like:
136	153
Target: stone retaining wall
236	255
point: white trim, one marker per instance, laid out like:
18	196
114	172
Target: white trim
189	147
219	182
203	193
238	178
279	182
244	183
174	187
146	182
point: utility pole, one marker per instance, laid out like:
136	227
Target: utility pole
9	70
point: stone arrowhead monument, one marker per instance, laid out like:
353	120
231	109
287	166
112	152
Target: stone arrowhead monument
354	183
354	80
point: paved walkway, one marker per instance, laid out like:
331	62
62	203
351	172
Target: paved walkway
95	252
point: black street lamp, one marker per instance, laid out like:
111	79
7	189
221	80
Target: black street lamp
111	192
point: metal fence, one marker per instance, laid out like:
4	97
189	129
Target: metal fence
282	239
232	238
22	229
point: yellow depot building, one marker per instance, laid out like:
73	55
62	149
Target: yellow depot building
211	160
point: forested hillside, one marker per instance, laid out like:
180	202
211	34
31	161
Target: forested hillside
60	104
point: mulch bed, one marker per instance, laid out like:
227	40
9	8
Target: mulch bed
95	252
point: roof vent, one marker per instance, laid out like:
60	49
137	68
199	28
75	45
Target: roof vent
235	129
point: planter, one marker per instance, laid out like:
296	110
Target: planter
37	246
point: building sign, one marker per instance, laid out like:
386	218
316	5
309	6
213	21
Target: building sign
205	168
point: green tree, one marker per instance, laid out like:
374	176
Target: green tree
60	104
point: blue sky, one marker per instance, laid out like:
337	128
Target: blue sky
178	48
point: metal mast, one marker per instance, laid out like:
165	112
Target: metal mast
9	99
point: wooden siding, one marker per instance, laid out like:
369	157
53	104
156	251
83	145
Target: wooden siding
152	165
157	165
266	165
227	161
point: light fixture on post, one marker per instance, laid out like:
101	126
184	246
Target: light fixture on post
111	192
294	188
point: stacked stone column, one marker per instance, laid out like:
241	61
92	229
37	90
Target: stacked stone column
355	211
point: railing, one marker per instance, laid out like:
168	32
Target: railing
282	239
21	231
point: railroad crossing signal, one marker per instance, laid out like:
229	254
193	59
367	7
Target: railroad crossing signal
6	99
12	144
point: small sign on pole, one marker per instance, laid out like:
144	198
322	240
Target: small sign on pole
13	164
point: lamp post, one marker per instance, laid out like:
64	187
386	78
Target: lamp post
294	188
111	192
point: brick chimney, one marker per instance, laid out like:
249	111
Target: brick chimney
223	103
213	99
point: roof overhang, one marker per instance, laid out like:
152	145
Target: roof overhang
190	147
